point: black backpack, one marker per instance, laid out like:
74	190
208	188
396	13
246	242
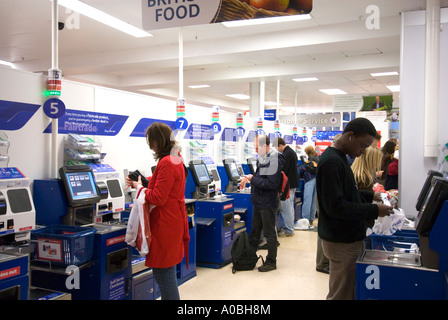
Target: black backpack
244	255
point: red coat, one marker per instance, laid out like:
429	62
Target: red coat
169	223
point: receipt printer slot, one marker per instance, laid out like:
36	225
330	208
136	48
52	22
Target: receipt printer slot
227	219
117	260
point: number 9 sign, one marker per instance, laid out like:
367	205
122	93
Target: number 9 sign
54	108
216	127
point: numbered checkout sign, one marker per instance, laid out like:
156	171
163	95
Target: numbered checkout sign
181	123
215	127
54	108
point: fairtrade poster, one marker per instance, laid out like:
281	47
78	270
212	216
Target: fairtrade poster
160	14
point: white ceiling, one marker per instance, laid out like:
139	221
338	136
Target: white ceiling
335	46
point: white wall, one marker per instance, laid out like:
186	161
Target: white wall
30	148
413	166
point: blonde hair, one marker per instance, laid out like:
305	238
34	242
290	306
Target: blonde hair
365	167
309	150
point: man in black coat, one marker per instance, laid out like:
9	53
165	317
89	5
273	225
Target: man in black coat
343	209
264	193
286	207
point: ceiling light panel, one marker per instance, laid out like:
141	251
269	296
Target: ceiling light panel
332	92
239	96
103	17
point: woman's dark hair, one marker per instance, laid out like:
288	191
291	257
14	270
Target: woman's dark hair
361	126
160	138
389	147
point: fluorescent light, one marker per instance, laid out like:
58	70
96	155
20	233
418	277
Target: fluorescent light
395	88
199	86
7	63
384	74
257	21
238	96
103	17
332	92
305	79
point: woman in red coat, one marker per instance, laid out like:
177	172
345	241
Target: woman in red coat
168	218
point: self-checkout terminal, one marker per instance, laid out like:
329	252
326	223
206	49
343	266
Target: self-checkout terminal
213	218
17	213
231	174
73	200
397	275
112	201
17	220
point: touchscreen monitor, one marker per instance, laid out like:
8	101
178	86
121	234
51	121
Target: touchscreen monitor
79	184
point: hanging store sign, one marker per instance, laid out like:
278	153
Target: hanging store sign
313	120
160	14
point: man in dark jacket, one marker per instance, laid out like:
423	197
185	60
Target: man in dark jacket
286	207
343	209
264	190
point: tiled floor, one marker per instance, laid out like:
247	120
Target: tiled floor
296	277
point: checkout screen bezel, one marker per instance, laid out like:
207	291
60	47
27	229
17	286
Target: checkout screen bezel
201	174
87	182
85	185
433	203
233	170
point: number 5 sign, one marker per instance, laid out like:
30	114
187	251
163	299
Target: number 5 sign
54	108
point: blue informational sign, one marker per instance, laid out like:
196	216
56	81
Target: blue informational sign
14	115
326	135
181	124
87	122
199	132
270	114
260	131
54	108
216	127
101	167
11	173
288	139
144	123
251	136
295	136
228	134
240	132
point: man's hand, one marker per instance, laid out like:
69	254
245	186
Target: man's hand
384	210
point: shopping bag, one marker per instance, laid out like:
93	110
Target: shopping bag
388	225
133	226
138	232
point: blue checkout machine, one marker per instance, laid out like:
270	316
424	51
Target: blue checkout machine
214	218
17	219
230	175
386	275
71	200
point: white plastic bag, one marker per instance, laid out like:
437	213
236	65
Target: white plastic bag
138	233
388	225
133	225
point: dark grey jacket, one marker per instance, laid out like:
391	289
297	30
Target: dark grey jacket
266	181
